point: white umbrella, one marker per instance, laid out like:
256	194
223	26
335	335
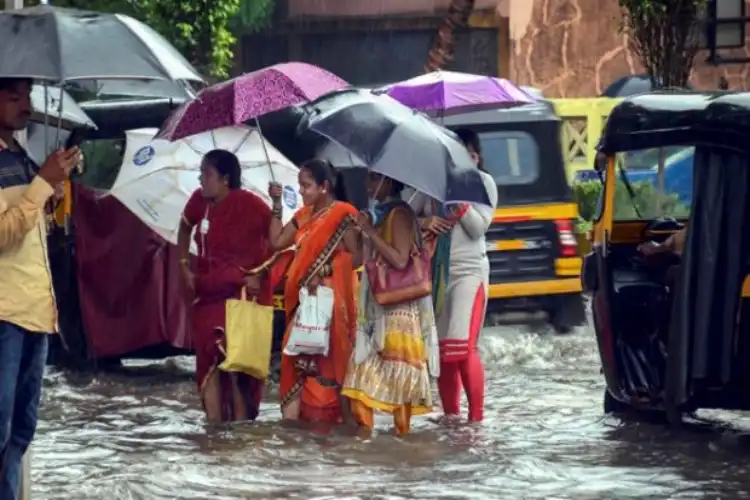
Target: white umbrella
157	177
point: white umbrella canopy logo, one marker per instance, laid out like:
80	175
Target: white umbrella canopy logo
157	177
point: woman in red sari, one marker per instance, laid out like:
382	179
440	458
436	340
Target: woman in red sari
325	255
231	232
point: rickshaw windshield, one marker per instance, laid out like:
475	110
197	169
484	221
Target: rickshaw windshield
522	172
641	170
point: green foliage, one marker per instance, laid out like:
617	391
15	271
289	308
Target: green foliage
253	16
665	34
645	202
199	29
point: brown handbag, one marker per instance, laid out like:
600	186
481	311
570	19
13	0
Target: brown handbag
392	286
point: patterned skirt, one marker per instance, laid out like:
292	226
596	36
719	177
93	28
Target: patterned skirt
398	375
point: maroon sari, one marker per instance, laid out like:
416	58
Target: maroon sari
233	241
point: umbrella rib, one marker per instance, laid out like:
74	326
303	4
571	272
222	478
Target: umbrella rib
146	176
180	168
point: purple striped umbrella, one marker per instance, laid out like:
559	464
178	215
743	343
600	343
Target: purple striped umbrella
450	93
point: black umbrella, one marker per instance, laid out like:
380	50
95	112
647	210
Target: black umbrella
400	143
631	85
54	44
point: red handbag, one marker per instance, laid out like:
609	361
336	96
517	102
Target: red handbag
392	286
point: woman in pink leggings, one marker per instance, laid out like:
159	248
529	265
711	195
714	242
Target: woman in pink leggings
461	296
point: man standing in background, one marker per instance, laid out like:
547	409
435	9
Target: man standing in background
27	303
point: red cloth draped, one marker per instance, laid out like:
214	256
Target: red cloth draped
129	283
236	241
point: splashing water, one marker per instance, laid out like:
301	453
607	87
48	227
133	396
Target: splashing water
142	436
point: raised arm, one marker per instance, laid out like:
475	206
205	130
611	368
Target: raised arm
353	245
17	220
281	236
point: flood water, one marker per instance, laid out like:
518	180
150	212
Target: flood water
142	436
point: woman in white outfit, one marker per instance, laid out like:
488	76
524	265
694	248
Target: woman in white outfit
462	289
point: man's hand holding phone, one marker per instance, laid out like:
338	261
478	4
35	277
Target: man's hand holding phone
59	165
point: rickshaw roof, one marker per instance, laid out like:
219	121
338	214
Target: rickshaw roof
678	118
113	117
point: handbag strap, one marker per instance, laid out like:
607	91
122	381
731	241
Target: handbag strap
418	238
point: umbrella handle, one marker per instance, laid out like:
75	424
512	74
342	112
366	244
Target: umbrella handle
265	149
46	121
59	118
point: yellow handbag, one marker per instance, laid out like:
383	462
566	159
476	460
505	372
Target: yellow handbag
249	337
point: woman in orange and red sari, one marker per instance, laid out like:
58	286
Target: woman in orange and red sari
231	232
322	232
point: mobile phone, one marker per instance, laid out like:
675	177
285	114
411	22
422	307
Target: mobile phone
75	138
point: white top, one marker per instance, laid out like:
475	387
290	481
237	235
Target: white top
468	244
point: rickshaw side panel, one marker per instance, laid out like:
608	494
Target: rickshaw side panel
708	328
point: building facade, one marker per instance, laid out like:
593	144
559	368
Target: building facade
566	48
575	48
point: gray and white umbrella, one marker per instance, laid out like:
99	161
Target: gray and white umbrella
61	45
397	142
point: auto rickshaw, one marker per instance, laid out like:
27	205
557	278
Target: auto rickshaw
535	262
672	346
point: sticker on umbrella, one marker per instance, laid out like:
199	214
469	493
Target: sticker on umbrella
290	197
143	155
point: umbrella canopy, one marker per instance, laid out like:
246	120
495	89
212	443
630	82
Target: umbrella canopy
400	143
182	90
249	96
60	108
450	92
630	85
58	45
157	177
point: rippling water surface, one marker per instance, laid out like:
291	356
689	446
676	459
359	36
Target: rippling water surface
142	436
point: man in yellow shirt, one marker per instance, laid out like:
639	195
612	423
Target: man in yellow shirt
27	303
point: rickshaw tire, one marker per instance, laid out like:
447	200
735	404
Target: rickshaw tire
614	406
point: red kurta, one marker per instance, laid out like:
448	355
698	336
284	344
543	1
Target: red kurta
232	238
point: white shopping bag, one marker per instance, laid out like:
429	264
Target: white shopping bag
310	333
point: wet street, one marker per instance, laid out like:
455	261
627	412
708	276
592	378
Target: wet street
142	437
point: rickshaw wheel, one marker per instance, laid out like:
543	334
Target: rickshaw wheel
612	405
618	408
558	322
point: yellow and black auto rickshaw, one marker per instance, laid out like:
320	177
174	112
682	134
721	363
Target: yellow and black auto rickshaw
673	326
534	258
